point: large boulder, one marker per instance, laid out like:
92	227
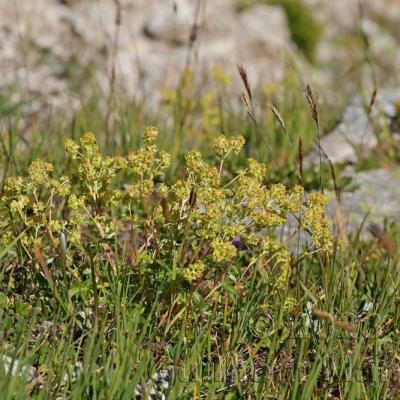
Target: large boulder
149	48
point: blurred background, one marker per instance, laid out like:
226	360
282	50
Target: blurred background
53	53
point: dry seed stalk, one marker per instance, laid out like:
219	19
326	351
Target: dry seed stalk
341	225
332	169
385	240
312	102
245	80
248	107
278	116
301	158
320	314
281	121
311	98
118	12
372	100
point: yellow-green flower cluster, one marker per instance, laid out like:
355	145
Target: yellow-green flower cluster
39	171
257	170
19	203
150	135
149	161
14	184
193	271
204	221
203	173
315	221
95	172
225	146
61	186
181	190
71	147
289	304
283	260
223	251
78	209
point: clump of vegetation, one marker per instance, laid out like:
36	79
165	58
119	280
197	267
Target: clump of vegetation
177	235
207	270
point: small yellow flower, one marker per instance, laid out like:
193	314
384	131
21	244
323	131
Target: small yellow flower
38	171
147	187
6	238
14	184
141	162
223	251
165	160
75	237
38	208
71	147
88	139
163	190
193	271
197	167
89	148
104	224
150	135
299	190
289	304
61	186
225	146
76	203
20	203
55	226
257	170
133	191
116	195
181	190
315	221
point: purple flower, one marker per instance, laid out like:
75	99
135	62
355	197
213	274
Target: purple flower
237	242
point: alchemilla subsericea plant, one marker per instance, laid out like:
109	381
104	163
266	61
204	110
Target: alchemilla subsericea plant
179	233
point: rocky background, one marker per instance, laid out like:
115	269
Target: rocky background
42	41
51	50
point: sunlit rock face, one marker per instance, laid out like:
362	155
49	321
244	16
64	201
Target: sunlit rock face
41	41
49	46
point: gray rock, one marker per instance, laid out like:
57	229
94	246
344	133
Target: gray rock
263	30
355	134
169	24
15	367
383	10
174	24
40	40
376	198
382	45
258	38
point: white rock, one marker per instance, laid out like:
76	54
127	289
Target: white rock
14	367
